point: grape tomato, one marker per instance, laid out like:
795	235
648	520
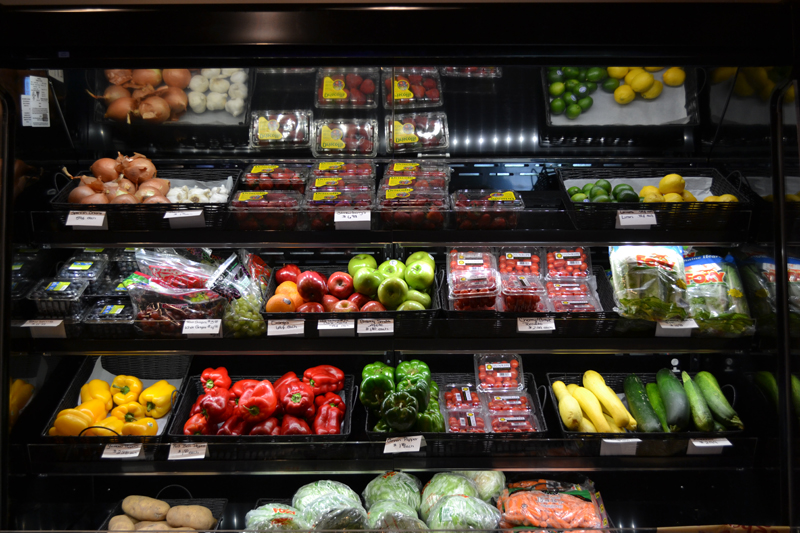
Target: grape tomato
519	260
499	371
513	423
466	421
561	289
461	396
508	401
576	304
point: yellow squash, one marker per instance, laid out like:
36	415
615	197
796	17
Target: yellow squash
591	406
568	407
595	383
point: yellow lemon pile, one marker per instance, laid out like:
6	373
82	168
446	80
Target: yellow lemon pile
640	80
754	81
671	188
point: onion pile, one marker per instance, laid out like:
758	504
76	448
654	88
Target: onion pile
114	181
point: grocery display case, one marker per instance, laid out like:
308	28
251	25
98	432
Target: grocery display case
339	139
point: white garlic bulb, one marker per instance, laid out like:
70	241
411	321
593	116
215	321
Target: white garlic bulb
235	107
227	72
238	90
210	72
219	85
197	101
239	77
216	101
198	83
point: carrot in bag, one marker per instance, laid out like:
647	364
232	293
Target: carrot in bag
551	504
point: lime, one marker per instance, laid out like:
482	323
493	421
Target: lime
587	188
596	74
604	184
581	90
556	89
569	98
554	76
592	86
572	191
626	195
622	187
603	199
573	111
580	197
581	74
610	84
557	106
571	85
585	102
597	191
571	73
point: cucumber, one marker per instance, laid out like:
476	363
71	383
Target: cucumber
718	426
701	414
766	382
716	400
641	409
658	405
675	401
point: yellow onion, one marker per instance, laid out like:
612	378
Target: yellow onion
176	99
156	199
144	193
146	76
79	193
123	109
177	77
143	92
124	198
111	94
159	184
139	171
104	169
154	109
118	76
96	198
124	184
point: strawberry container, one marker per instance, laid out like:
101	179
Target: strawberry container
465	421
332	169
486	209
347	88
266	210
270	130
412	209
513	422
472	72
522	260
460	396
345	137
417	132
507	402
342	183
411	87
567	262
423	175
499	371
321	206
576	304
522	293
274	177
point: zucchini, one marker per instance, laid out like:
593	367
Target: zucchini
701	414
676	403
718	426
641	409
716	400
766	382
658	405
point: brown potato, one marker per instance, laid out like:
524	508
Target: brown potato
194	516
121	523
139	525
155	526
144	508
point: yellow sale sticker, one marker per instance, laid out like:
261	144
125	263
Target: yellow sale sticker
326	182
244	196
402	90
332	138
401	180
506	196
268	130
263	168
404	133
333	89
326	195
405	166
331	165
398	193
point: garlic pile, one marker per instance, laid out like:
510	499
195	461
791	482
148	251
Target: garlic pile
217	89
198	195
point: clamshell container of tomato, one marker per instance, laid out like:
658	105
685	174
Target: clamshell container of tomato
345	137
499	371
578	288
473	282
417	132
321	206
507	402
266	210
411	87
423	175
347	88
513	422
522	293
576	304
460	396
331	169
269	176
519	260
415	209
281	129
486	209
567	262
466	421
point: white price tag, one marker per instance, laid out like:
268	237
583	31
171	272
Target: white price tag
404	444
635	219
87	220
336	328
376	327
619	446
535	325
210	328
122	451
675	328
191	218
359	219
707	446
36	102
57	75
286	328
46	329
182	451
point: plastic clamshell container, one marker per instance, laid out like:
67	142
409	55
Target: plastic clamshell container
486	208
332	169
342	183
112	288
22	266
347	88
81	266
507	401
472	281
466	421
499	371
416	209
20	287
522	293
460	396
97	253
472	72
576	304
411	87
273	176
345	137
123	262
321	206
59	298
281	129
513	422
570	288
567	262
266	210
470	260
110	318
523	260
417	132
422	175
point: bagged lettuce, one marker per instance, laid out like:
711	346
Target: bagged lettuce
275	517
334	511
397	486
757	268
309	492
389	507
463	512
441	485
400	522
716	297
490	483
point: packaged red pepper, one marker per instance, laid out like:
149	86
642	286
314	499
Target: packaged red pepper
324	378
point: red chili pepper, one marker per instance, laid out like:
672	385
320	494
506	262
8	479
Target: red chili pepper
196	406
215	378
258	403
324	378
242	385
217	405
196	425
294	426
235	426
270	426
289	377
333	399
296	398
328	420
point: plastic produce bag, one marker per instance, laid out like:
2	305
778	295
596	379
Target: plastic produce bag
649	282
463	512
399	522
275	517
490	483
392	508
334	511
393	486
259	271
758	276
441	485
716	297
551	504
174	270
309	492
242	316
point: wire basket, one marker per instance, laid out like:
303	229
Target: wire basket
215	505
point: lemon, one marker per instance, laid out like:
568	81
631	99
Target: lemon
674	76
742	87
653	69
648	190
624	94
687	196
768	198
642	82
757	77
617	72
654	91
766	90
673	197
632	73
720	74
792	198
789	94
711	199
651	198
727	198
671	183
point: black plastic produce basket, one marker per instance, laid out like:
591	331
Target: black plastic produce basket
733	216
143	367
215	505
760	181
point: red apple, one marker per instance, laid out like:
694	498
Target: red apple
311	307
340	284
287	273
311	286
328	301
372	307
358	299
345	306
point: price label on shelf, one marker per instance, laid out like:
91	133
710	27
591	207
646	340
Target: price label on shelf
404	444
375	327
122	451
203	329
675	328
286	328
357	219
87	220
181	451
46	329
635	219
336	328
190	218
535	325
619	446
707	446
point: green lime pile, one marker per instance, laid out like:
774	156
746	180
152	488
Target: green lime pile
570	88
600	192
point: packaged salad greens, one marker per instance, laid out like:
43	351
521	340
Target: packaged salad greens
716	297
757	268
275	517
649	282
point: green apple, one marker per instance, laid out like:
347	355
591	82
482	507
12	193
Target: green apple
393	269
367	280
420	297
419	276
360	260
392	292
420	256
411	305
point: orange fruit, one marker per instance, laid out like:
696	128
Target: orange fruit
286	287
296	299
280	303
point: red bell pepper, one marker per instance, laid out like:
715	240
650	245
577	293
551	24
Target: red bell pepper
242	385
270	426
296	398
328	420
235	426
215	378
196	406
197	425
294	426
289	377
258	403
333	399
217	405
324	378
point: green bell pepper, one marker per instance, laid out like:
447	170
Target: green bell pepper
431	420
382	427
418	388
377	380
400	410
412	368
434	389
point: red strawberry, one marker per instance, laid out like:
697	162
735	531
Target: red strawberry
368	86
418	90
433	94
429	83
357	97
353	81
415	79
388	84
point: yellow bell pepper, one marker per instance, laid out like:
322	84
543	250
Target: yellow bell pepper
157	399
126	389
129	412
111	423
97	388
141	427
20	395
70	422
96	409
